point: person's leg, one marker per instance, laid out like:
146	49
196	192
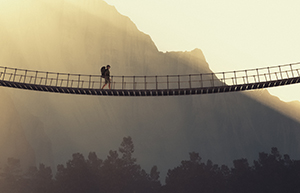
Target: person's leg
106	81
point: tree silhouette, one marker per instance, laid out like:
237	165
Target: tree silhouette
242	177
12	179
75	177
154	175
112	173
115	174
120	173
276	173
195	176
126	149
94	165
39	179
124	174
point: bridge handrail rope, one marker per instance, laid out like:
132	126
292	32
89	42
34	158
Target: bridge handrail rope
159	82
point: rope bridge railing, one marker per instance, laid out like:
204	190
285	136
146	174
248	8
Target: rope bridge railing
168	82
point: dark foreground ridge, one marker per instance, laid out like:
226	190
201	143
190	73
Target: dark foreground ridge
168	85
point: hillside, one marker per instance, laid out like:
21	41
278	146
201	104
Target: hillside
81	37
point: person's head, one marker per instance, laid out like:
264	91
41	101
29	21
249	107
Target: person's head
108	66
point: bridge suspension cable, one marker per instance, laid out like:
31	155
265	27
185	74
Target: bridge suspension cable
151	85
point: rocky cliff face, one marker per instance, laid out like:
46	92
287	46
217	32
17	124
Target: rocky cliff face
81	37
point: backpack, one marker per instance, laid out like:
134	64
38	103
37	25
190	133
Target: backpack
103	71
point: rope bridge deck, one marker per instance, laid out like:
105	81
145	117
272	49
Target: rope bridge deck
168	85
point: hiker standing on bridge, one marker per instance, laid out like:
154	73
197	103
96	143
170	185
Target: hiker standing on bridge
106	75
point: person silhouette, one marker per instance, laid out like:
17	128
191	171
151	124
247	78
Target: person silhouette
106	77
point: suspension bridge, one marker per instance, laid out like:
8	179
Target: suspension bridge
168	85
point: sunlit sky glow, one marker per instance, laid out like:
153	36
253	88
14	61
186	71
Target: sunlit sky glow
233	34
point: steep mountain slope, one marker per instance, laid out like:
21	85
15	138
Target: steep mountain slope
80	37
291	109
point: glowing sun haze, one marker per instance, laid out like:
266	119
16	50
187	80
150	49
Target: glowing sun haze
233	34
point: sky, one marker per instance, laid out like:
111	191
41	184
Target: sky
233	34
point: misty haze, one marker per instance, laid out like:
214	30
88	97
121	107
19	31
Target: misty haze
56	132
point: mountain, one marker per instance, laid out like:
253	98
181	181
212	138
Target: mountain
290	109
80	37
